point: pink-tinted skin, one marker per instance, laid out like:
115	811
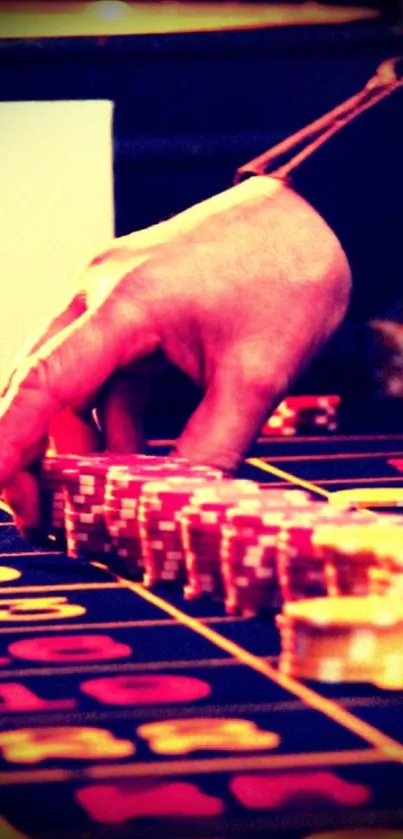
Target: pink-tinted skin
240	292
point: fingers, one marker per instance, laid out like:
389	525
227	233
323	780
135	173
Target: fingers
66	371
70	433
121	412
231	413
22	495
74	309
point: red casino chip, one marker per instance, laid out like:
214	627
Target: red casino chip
74	486
248	564
249	541
300	566
123	490
200	524
303	415
52	498
159	506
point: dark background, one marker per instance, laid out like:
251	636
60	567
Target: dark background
190	108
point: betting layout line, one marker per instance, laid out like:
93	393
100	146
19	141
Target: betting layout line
337	438
56	587
317	488
391	479
391	748
19	554
261	464
333	456
69	627
240	763
156	712
128	667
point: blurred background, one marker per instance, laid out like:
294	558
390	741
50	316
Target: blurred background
194	90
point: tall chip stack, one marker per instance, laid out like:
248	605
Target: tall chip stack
248	548
158	513
123	489
201	529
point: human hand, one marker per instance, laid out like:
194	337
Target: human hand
240	292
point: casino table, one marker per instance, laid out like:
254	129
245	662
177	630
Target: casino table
134	713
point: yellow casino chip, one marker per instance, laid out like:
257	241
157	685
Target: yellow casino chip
368	497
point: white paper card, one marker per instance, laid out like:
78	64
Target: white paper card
56	208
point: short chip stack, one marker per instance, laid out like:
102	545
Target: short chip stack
303	415
343	639
248	549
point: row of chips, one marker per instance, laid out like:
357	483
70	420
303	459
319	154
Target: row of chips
336	573
162	520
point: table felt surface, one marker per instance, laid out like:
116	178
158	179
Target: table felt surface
126	713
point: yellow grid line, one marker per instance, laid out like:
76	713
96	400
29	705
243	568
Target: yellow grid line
128	667
19	554
241	763
38	589
70	627
286	476
5	507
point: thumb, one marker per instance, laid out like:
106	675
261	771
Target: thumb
230	415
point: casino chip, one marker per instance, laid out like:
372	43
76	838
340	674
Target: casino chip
303	415
84	495
353	550
343	639
201	528
123	489
249	539
72	490
53	469
368	497
52	496
300	567
159	507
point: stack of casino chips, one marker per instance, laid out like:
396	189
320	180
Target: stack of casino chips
123	489
84	489
303	415
201	527
52	494
343	639
300	566
159	508
248	548
353	550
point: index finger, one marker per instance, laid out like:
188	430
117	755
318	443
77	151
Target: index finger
65	372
